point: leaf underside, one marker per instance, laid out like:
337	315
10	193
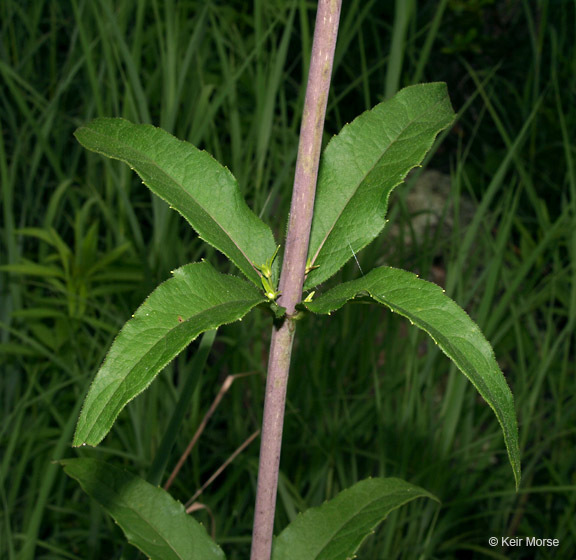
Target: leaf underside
196	299
336	529
426	305
192	182
362	165
151	519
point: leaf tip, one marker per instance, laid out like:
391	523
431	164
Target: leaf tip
76	442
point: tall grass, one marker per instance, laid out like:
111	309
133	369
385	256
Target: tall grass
368	395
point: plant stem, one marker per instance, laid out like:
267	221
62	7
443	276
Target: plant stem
293	272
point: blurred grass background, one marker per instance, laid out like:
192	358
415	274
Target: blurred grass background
83	242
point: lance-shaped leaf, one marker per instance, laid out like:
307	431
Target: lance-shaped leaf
336	529
192	182
428	307
360	167
151	519
196	299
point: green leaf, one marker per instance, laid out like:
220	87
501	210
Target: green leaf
151	519
197	299
48	235
33	269
362	165
336	529
192	182
428	307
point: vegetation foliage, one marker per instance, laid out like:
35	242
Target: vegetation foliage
83	243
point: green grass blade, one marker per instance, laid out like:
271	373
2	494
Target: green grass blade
42	497
402	16
181	409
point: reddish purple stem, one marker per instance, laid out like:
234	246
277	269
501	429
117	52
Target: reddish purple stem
293	272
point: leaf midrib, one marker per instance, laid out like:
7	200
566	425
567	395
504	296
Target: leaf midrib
157	531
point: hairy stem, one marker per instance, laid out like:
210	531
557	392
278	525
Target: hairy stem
293	272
